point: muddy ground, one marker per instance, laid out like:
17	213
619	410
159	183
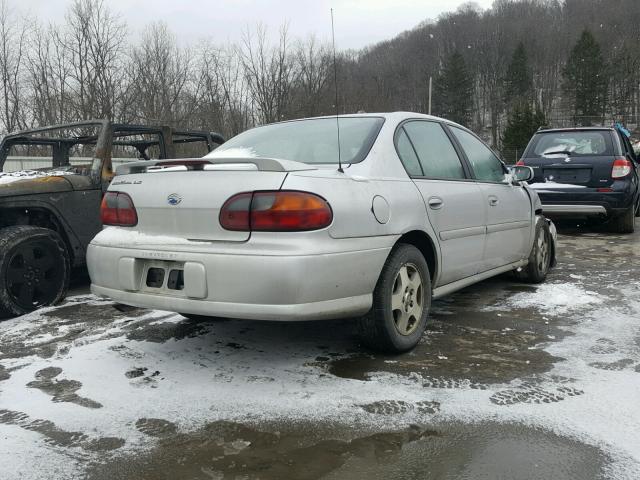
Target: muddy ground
510	381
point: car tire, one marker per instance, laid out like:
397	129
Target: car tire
401	303
34	269
638	208
540	257
625	223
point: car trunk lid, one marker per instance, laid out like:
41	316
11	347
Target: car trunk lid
183	198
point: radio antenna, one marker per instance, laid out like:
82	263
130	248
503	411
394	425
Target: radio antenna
335	79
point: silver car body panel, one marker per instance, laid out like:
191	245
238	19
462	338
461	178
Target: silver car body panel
306	275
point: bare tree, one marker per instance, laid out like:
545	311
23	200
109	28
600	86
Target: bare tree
269	71
86	67
162	74
234	91
314	69
13	42
93	43
48	74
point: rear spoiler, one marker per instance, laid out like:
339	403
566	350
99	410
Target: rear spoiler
206	164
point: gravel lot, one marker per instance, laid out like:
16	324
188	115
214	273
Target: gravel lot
510	381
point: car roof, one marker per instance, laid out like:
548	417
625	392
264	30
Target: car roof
575	129
391	116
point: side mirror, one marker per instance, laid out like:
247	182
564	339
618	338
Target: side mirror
521	173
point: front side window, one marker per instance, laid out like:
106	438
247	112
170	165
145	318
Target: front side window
437	155
312	141
486	166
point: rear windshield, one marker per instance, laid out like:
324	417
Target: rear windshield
307	141
574	143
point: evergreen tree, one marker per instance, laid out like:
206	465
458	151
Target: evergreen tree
518	81
522	123
454	91
585	81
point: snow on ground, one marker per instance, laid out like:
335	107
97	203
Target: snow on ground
592	396
552	298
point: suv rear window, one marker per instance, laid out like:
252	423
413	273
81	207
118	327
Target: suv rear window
575	143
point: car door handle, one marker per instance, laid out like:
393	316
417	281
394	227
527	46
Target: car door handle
493	201
435	203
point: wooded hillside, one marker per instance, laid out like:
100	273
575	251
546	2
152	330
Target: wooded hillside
501	71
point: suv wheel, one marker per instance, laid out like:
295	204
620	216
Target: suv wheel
540	257
34	269
625	223
401	302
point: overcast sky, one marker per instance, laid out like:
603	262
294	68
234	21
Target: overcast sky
358	22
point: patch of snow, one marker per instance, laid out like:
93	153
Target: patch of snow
551	299
120	237
235	152
25	454
10	177
275	378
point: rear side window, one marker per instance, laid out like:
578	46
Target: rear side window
574	143
486	166
437	155
408	155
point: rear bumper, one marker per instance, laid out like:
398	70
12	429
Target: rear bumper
252	286
573	210
327	309
585	204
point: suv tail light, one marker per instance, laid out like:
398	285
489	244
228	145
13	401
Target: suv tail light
275	211
621	168
117	209
520	163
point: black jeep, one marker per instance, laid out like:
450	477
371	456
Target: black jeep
52	181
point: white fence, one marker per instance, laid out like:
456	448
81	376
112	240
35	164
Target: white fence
16	164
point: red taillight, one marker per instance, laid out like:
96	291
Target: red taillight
621	168
234	214
275	211
117	209
520	163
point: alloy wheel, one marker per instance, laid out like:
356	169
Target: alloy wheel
407	299
542	254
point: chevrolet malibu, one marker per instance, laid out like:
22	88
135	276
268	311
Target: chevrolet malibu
369	216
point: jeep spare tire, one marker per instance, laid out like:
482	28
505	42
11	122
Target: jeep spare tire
34	269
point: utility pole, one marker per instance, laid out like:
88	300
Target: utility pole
430	90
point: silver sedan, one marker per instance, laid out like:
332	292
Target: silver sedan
369	216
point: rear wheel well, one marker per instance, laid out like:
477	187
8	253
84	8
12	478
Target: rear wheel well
36	217
422	242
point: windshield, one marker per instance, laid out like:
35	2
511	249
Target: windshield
308	141
573	143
